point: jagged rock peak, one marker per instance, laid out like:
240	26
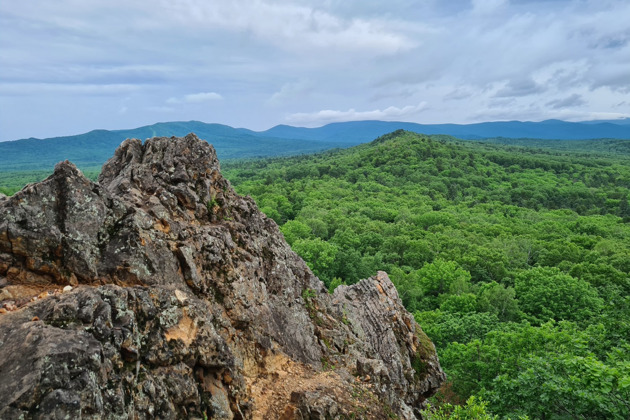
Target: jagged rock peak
163	162
159	292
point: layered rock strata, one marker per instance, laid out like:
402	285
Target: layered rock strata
159	292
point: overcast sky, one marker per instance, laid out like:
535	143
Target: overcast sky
70	66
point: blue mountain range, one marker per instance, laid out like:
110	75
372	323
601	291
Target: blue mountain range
93	148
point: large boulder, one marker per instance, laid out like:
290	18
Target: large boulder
159	292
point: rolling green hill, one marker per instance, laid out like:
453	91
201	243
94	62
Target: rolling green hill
516	261
30	160
94	148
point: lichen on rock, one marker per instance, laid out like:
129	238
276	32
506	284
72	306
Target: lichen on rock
186	302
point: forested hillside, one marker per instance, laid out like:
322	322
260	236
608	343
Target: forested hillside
514	260
31	160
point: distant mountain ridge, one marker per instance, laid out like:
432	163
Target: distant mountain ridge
93	148
549	129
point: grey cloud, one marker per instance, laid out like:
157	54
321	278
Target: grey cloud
522	87
611	40
616	42
502	102
615	77
572	101
459	93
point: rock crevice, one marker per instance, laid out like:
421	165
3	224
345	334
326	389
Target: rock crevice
186	302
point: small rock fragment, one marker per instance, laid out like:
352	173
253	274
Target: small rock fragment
67	289
181	297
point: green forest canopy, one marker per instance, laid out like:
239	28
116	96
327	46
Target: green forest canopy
514	260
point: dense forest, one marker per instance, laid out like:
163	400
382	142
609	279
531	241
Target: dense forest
515	260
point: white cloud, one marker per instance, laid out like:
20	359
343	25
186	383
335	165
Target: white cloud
202	97
292	26
195	98
329	115
290	91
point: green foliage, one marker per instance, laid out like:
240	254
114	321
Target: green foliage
440	277
336	282
12	181
447	327
624	209
211	204
507	256
8	190
546	293
499	300
463	303
319	256
294	229
429	286
474	409
308	294
475	364
566	386
433	218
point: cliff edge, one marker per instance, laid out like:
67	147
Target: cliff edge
159	292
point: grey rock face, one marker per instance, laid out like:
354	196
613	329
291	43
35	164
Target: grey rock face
186	302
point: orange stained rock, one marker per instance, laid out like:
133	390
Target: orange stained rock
185	330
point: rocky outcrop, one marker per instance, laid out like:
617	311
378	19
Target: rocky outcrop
158	292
